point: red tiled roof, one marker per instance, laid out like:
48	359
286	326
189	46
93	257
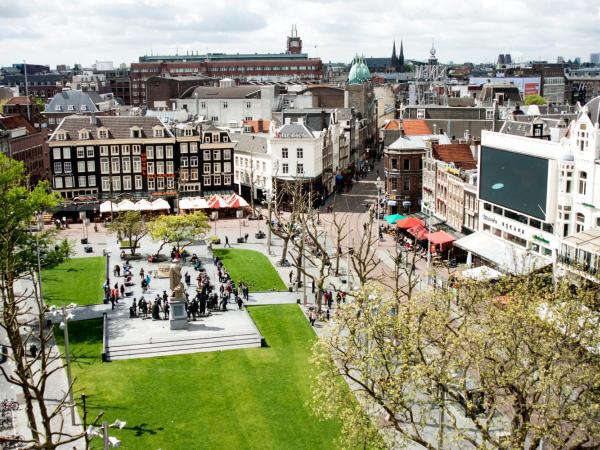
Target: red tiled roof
20	100
393	124
258	126
16	121
459	154
415	127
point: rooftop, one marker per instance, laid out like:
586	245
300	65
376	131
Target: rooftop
250	143
417	142
458	154
588	240
74	101
19	100
258	126
223	57
16	121
235	92
119	127
415	127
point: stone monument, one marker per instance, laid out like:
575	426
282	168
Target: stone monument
177	314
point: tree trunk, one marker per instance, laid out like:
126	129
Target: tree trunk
285	248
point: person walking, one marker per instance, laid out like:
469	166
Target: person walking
312	317
142	273
122	290
227	242
291	276
117	271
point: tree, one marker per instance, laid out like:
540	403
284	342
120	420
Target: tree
364	255
23	313
512	365
535	99
341	234
130	225
180	229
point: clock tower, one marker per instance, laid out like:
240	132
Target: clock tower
294	43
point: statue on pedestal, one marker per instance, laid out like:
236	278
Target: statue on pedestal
177	289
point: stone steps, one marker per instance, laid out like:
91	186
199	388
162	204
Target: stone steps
167	347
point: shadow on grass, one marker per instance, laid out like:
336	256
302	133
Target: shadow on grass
141	429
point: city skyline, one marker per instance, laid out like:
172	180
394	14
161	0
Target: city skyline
52	33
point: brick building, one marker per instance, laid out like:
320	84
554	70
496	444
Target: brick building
160	90
138	157
27	144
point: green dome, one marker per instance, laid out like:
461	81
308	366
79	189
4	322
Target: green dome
359	72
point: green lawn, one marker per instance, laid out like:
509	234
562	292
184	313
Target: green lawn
77	280
235	399
252	267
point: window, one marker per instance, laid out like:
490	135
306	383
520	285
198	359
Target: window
104	150
104	167
160	183
225	105
217	168
102	133
184	162
58	108
127	164
127	183
217	180
58	182
68	182
284	153
160	167
285	168
194	161
80	166
299	168
169	151
91	166
193	147
105	184
489	114
264	166
137	164
226	179
115	165
137	149
188	132
116	183
150	167
214	119
206	154
159	132
67	167
394	163
406	164
580	219
150	184
582	182
136	132
226	154
194	174
183	147
89	152
80	152
67	153
406	185
299	153
70	107
159	152
203	105
420	113
206	180
57	167
170	183
56	153
114	150
150	152
125	150
206	168
216	154
138	182
227	167
92	180
170	166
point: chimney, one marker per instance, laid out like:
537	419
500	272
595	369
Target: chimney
288	120
434	128
93	120
300	120
260	125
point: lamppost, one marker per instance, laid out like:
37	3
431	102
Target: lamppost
304	299
64	325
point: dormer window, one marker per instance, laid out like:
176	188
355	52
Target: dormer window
187	132
84	134
136	132
102	133
159	132
58	108
61	136
215	137
84	107
70	107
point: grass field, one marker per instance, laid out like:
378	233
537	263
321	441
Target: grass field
77	280
252	267
235	399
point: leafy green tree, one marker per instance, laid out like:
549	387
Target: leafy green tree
511	365
180	229
132	226
535	99
23	311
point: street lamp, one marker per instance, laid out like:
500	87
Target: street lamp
64	325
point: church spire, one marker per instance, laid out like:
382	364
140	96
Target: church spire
394	60
401	58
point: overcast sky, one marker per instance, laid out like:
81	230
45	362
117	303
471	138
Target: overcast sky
83	31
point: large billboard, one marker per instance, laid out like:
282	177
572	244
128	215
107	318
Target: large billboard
526	85
513	180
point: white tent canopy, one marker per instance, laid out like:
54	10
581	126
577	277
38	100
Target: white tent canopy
106	207
186	203
200	203
143	205
160	204
481	273
126	205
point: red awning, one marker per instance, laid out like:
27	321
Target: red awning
420	232
409	222
217	202
441	237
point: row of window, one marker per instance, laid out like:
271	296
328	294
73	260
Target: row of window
285	168
103	133
285	153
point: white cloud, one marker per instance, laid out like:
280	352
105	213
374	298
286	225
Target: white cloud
57	31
